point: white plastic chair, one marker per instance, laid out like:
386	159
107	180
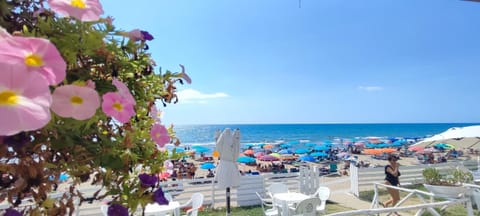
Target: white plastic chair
273	211
196	202
168	196
307	207
276	188
323	193
104	209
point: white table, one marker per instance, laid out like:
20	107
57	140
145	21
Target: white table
284	199
156	209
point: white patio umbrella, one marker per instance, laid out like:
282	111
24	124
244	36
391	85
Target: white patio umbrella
228	176
460	137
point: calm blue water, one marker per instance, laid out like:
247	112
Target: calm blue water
268	133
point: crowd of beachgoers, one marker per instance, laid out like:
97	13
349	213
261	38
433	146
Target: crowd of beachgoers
329	156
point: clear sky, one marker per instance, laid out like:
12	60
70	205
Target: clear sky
271	61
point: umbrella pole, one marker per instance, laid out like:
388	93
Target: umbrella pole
228	201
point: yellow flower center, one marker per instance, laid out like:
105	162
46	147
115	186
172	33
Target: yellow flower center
78	4
76	100
118	106
33	60
8	98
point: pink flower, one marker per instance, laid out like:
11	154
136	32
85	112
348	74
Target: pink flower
139	35
24	100
124	91
117	107
78	102
185	76
38	54
155	113
160	135
90	84
84	10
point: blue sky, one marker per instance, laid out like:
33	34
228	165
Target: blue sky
269	61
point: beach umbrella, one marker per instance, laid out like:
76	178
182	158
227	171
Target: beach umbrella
321	148
460	137
285	151
249	152
310	144
307	158
301	151
444	146
359	144
285	145
245	159
342	154
259	154
319	154
248	145
416	148
207	166
268	158
228	176
294	142
200	149
268	146
275	155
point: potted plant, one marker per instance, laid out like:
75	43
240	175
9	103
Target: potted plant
447	185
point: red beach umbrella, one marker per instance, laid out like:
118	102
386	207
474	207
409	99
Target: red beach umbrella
249	152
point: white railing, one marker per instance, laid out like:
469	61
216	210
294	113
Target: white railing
362	179
426	204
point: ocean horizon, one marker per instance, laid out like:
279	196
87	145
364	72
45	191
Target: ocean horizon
203	134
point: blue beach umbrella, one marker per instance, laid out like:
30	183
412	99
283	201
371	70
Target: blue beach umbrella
245	159
285	151
321	148
248	145
327	142
201	149
307	158
207	166
310	144
286	145
319	154
301	151
294	142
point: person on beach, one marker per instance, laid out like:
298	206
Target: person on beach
391	178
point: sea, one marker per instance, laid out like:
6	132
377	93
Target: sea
203	135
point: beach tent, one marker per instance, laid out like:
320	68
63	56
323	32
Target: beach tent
460	137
